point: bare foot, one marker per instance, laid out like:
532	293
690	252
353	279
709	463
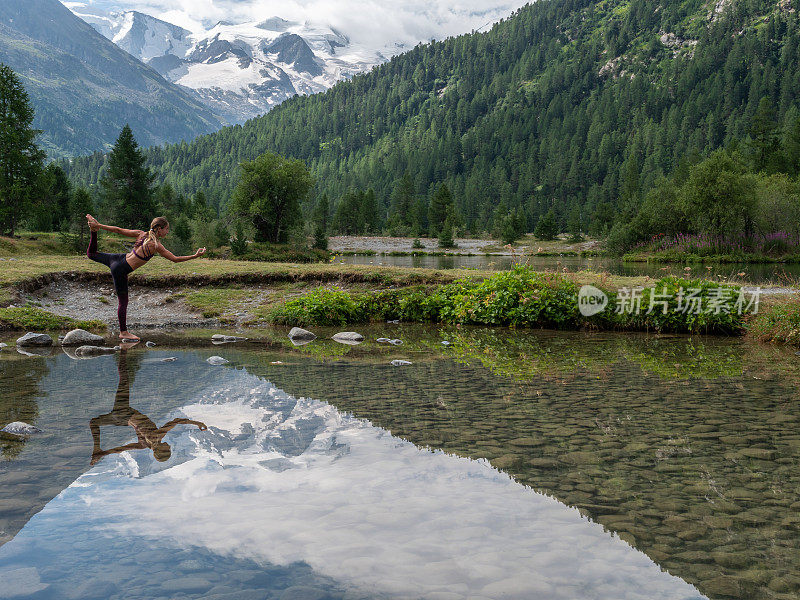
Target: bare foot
128	337
94	225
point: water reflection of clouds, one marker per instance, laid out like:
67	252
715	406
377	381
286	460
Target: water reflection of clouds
279	480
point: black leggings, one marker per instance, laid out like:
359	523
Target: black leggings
119	273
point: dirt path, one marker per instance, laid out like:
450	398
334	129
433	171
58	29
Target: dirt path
147	307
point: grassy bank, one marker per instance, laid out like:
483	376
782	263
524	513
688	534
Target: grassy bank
671	256
33	319
520	297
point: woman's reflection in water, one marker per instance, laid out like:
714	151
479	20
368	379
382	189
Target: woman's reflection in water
122	415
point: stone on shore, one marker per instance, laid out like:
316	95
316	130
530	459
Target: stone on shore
81	337
35	339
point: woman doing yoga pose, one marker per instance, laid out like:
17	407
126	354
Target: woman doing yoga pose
147	245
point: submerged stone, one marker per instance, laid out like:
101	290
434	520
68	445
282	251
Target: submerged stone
35	339
300	334
216	360
20	428
94	350
348	337
80	337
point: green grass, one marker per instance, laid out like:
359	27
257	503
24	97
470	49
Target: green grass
777	322
35	319
213	302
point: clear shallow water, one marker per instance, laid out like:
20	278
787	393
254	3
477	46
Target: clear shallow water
324	476
777	274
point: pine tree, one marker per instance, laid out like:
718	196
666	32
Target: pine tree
20	157
321	223
763	134
546	228
127	186
440	207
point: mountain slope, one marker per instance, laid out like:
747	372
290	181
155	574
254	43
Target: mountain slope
84	88
574	104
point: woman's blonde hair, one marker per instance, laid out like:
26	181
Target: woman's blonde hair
156	223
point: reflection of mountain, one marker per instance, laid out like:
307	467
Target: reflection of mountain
280	481
701	474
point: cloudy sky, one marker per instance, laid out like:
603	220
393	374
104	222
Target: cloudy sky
367	21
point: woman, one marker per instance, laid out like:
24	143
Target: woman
148	434
146	246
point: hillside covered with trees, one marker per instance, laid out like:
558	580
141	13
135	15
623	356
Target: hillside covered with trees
570	105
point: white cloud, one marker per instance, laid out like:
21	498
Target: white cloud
371	22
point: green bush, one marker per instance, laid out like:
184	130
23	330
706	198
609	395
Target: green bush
522	297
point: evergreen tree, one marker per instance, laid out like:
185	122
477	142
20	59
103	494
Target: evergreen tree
369	212
320	219
446	235
441	206
546	228
127	186
20	157
403	201
269	193
55	192
763	135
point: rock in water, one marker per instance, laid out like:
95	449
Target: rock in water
219	338
300	334
35	339
400	363
150	344
216	360
80	337
20	428
169	359
348	337
93	350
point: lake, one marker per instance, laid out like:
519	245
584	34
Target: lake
767	273
505	464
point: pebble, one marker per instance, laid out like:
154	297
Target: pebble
216	360
444	343
396	342
400	363
150	344
169	359
394	321
383	340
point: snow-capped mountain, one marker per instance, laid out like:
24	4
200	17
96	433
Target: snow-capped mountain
239	70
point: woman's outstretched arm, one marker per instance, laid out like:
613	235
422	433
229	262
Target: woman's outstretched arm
170	256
